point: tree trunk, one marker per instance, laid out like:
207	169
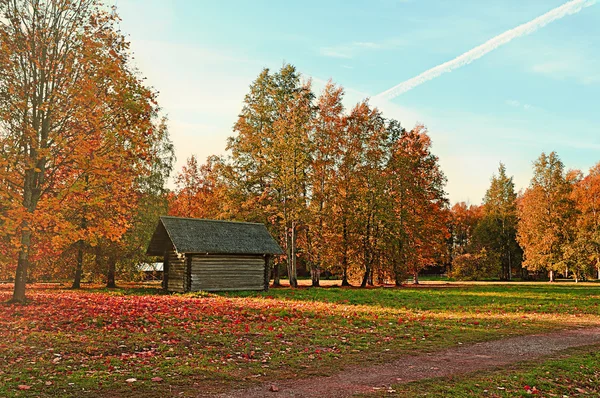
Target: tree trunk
315	275
367	254
365	278
22	266
291	256
80	247
397	272
416	278
79	269
509	265
345	278
551	276
31	196
345	256
112	270
294	276
599	271
276	276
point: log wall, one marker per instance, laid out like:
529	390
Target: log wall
219	273
177	272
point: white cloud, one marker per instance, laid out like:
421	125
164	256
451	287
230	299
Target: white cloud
518	104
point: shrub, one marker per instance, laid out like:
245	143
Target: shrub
476	266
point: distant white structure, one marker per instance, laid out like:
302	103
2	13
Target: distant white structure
150	267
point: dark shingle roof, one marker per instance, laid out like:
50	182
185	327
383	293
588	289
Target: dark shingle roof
194	235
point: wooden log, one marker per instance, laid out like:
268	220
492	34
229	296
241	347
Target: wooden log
227	273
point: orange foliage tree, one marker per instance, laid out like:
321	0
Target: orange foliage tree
196	193
586	242
419	224
319	235
75	121
348	193
546	212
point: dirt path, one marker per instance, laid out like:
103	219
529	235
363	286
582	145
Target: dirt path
453	361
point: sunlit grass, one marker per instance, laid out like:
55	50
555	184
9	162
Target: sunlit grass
102	337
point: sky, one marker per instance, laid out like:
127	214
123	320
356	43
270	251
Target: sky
536	93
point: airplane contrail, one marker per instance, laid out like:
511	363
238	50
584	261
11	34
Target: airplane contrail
572	7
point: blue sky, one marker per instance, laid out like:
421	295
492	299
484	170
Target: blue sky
540	92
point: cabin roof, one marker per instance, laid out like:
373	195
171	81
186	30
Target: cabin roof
195	235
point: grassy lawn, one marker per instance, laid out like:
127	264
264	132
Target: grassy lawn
90	342
574	373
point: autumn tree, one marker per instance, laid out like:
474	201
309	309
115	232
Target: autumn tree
347	151
333	187
66	88
464	219
367	126
151	201
545	212
41	48
328	123
583	250
497	230
120	131
268	168
290	162
196	193
419	224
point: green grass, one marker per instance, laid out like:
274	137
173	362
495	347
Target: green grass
575	372
472	298
213	342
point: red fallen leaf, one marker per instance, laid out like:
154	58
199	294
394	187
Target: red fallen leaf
157	379
48	383
273	388
24	387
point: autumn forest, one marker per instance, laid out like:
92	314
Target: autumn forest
86	162
318	255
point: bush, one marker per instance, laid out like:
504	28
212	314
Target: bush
476	266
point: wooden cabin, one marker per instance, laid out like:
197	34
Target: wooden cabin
212	255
